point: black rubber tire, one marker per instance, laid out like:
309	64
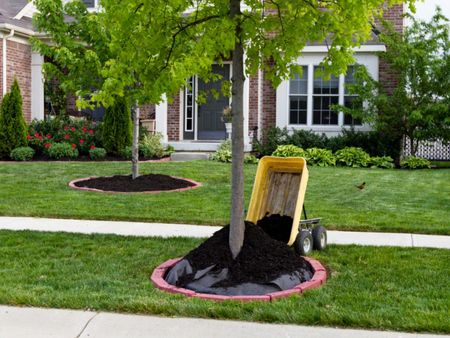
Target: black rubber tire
319	234
304	243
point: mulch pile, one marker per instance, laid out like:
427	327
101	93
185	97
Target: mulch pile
150	182
276	226
261	260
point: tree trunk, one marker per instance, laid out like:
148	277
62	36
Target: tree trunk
237	227
135	148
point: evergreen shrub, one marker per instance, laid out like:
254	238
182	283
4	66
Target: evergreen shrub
13	129
117	127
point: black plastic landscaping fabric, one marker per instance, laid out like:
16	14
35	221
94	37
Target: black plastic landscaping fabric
205	281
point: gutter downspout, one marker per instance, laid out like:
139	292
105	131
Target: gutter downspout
4	53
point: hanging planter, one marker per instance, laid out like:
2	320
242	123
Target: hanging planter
227	117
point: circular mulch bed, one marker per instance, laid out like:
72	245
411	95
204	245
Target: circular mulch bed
151	183
265	269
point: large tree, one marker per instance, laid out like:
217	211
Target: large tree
84	59
418	109
156	45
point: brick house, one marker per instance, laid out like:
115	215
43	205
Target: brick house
299	103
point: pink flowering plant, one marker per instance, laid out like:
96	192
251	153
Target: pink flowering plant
80	134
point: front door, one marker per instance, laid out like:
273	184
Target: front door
209	122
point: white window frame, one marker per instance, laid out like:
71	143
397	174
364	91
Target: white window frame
193	92
296	95
370	60
96	6
338	95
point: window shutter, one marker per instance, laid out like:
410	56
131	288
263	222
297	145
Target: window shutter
89	3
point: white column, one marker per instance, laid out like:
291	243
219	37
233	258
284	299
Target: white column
37	87
247	145
309	105
161	118
4	52
282	105
341	99
260	104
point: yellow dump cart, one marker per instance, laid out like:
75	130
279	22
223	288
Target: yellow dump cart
279	189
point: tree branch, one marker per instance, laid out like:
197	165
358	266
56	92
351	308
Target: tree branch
182	29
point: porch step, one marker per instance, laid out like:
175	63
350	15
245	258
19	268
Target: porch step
184	156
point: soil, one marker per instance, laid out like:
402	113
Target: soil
261	260
150	182
276	226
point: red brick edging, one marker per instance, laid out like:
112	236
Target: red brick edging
73	186
319	278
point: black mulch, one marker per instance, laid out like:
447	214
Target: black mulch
150	182
276	226
261	260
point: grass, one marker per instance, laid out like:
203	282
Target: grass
370	287
393	200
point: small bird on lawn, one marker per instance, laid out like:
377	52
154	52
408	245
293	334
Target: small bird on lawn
361	186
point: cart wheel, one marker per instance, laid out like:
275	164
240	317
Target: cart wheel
304	243
319	235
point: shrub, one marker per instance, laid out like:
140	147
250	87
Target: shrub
223	153
250	159
352	157
288	150
413	162
62	130
382	162
320	157
117	127
351	138
97	153
126	152
307	139
169	150
22	154
143	132
151	146
13	129
50	125
271	140
63	150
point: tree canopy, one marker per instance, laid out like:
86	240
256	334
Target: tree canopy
146	48
419	106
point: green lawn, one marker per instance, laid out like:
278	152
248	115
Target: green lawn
393	200
370	287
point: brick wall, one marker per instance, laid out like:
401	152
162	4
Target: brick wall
269	103
18	66
71	106
148	112
1	71
173	119
387	77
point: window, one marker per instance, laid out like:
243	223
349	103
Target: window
89	3
325	94
298	97
306	101
349	99
189	105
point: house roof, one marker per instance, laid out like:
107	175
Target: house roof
9	10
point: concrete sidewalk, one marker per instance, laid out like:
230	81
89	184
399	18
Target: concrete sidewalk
18	322
186	230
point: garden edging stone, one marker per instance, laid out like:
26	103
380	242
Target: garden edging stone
73	185
319	278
